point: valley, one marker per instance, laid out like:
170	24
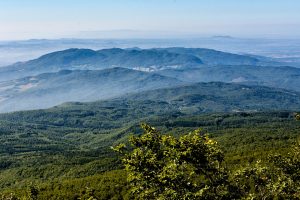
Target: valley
149	100
62	112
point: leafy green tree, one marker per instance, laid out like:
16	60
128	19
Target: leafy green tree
165	167
289	165
280	179
262	182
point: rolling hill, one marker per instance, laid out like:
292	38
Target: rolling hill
279	77
190	99
86	59
71	142
221	97
50	89
134	58
106	122
212	57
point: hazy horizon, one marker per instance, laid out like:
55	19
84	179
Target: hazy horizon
122	19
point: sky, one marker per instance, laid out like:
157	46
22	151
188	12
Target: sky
39	19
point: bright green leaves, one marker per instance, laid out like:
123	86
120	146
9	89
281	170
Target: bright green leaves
119	148
280	179
165	167
191	167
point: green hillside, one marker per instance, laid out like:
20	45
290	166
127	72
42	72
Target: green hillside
68	147
66	150
80	156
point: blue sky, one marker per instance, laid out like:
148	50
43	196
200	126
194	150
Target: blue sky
25	19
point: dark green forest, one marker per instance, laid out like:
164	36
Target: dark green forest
65	152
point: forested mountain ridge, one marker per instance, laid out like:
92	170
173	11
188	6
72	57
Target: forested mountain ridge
212	57
114	83
51	89
87	59
143	59
279	77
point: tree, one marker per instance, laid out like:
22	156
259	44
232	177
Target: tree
191	167
289	165
263	182
165	167
280	179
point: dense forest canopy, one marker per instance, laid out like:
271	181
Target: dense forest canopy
92	169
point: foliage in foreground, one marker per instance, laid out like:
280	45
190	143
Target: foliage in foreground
244	138
191	167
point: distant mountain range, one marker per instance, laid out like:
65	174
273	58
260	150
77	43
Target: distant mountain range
88	75
213	57
86	59
141	59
